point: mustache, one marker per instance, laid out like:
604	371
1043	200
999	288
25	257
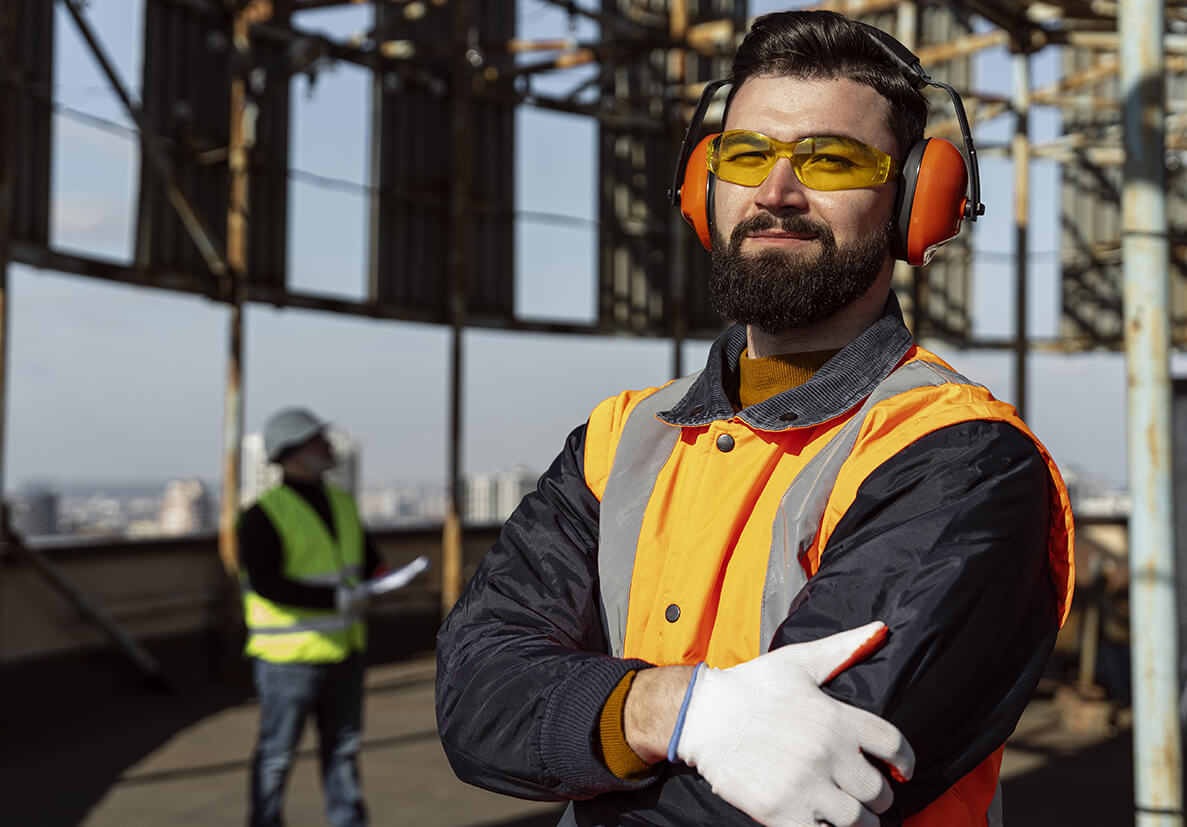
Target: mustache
789	224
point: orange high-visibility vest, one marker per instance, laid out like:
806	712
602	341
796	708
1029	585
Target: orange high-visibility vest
733	579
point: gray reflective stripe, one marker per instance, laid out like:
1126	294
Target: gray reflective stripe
802	508
338	623
643	447
332	578
994	814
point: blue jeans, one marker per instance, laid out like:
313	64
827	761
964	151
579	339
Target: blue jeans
288	693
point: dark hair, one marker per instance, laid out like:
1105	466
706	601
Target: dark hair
824	44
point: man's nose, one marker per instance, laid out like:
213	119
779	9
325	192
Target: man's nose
781	191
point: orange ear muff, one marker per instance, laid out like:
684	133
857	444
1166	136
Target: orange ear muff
695	192
931	200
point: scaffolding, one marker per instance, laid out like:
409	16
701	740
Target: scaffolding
213	192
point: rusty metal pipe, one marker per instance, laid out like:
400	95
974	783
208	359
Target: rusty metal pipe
1145	263
460	186
1021	153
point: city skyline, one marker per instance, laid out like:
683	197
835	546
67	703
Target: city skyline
188	505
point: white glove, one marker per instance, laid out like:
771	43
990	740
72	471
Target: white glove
772	743
348	599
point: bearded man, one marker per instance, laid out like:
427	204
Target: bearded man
815	582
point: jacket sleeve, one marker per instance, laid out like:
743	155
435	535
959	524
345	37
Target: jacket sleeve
947	544
522	669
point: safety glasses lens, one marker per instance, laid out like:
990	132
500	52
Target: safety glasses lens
827	163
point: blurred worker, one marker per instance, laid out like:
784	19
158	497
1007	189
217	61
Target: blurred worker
676	627
303	554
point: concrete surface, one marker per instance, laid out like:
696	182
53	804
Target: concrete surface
148	758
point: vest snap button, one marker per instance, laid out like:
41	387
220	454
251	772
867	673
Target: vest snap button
672	613
725	443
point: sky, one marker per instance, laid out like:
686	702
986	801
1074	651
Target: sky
117	383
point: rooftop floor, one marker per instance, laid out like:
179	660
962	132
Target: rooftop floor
181	759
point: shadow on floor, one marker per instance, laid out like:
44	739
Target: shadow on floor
1088	786
548	819
71	727
70	730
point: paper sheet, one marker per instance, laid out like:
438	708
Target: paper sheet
397	579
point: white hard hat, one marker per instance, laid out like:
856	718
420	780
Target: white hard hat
289	428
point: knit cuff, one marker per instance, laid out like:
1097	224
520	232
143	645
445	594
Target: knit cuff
569	735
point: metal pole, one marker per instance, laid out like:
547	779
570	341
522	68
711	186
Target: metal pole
7	113
906	31
1021	153
237	218
451	567
1145	262
677	75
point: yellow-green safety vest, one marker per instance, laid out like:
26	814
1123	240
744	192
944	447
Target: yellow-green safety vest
313	556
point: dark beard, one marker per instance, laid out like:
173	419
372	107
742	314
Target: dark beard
776	291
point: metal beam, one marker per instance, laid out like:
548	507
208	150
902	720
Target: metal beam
7	112
1111	41
459	220
153	147
238	210
1145	264
964	46
1021	153
677	250
102	270
74	594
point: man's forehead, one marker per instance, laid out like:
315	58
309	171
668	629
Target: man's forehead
791	107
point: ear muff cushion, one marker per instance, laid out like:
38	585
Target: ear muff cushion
933	203
695	191
905	199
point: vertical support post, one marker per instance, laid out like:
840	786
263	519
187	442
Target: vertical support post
1145	263
677	75
906	31
241	137
7	112
1020	151
451	567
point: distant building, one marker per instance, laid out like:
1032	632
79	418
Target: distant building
379	506
347	453
186	508
34	513
260	475
491	497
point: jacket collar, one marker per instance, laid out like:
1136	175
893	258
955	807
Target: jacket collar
843	381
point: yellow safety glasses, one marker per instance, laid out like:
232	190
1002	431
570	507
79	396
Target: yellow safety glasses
824	163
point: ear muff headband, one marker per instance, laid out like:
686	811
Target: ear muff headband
906	60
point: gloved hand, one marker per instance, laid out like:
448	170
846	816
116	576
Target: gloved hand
351	598
772	743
